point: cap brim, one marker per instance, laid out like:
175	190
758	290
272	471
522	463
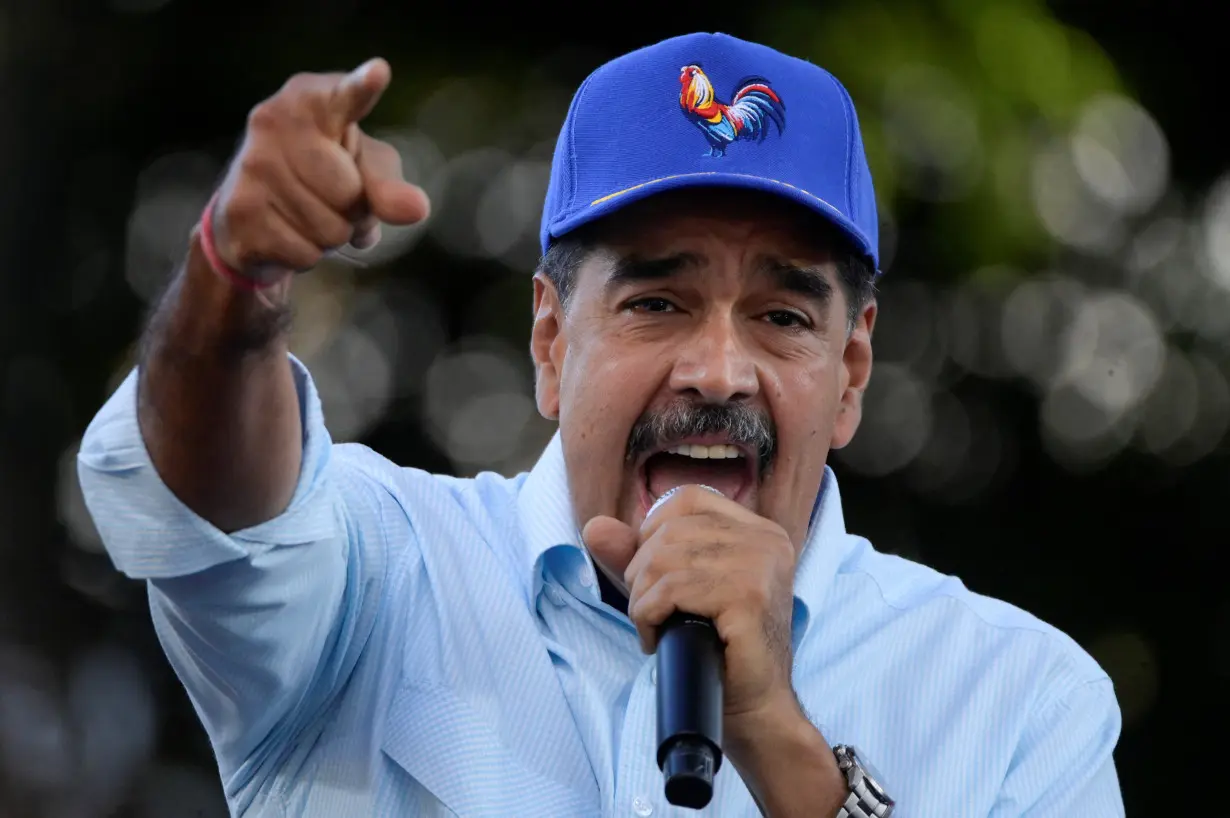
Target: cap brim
616	200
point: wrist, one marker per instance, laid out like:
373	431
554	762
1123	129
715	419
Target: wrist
204	316
210	240
785	761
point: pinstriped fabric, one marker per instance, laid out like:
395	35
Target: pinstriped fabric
405	644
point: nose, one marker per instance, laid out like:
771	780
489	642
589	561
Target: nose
715	364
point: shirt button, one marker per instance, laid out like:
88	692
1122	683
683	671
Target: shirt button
555	595
642	807
653	675
587	577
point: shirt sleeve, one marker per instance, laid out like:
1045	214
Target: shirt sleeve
262	626
1064	763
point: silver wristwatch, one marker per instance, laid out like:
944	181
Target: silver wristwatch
867	798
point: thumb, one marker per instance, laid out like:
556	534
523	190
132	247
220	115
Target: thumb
390	198
611	542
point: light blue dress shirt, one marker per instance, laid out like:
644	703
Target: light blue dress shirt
404	644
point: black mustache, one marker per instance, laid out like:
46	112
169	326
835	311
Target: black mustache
744	424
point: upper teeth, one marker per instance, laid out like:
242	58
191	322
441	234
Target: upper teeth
715	452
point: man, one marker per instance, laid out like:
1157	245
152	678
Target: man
364	639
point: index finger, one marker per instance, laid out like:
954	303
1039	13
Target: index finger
357	93
686	500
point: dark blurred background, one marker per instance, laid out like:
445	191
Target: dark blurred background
1048	416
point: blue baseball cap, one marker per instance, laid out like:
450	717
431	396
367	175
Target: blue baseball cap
711	110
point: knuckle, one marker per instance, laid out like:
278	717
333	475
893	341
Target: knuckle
301	256
264	116
685	500
296	81
291	103
758	590
784	547
337	233
653	571
638	612
675	582
256	162
349	196
309	260
758	595
302	83
673	530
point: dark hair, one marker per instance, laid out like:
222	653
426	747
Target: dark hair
854	270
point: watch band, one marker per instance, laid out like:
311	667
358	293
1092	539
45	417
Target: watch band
867	798
862	805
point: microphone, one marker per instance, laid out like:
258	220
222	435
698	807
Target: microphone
690	656
689	708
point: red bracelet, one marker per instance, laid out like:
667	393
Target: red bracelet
215	261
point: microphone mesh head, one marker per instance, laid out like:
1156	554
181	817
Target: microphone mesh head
670	492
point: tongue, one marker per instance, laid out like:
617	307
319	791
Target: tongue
667	471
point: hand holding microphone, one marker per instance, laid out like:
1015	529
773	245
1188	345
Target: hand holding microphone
702	558
689	659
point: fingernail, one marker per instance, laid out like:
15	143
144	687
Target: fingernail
360	73
366	239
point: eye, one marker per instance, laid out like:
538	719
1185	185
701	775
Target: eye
652	304
787	319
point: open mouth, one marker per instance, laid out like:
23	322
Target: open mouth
710	460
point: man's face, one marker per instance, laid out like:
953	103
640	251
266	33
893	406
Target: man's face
707	340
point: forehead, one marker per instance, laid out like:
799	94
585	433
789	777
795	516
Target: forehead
708	220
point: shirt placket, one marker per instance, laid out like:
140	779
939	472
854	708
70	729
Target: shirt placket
638	782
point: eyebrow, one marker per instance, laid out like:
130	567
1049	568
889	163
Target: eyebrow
637	270
809	282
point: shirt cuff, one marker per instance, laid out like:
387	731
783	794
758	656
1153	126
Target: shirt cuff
150	534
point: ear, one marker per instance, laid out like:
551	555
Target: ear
855	374
547	346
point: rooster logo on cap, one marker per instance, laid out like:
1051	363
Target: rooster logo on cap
752	108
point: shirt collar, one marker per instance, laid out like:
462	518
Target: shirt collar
544	507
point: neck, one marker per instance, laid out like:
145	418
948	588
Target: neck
610	594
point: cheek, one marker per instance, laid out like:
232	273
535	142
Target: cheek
804	403
603	389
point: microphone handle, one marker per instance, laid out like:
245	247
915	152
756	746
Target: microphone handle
689	657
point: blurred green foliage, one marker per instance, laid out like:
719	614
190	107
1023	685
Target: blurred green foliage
989	78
